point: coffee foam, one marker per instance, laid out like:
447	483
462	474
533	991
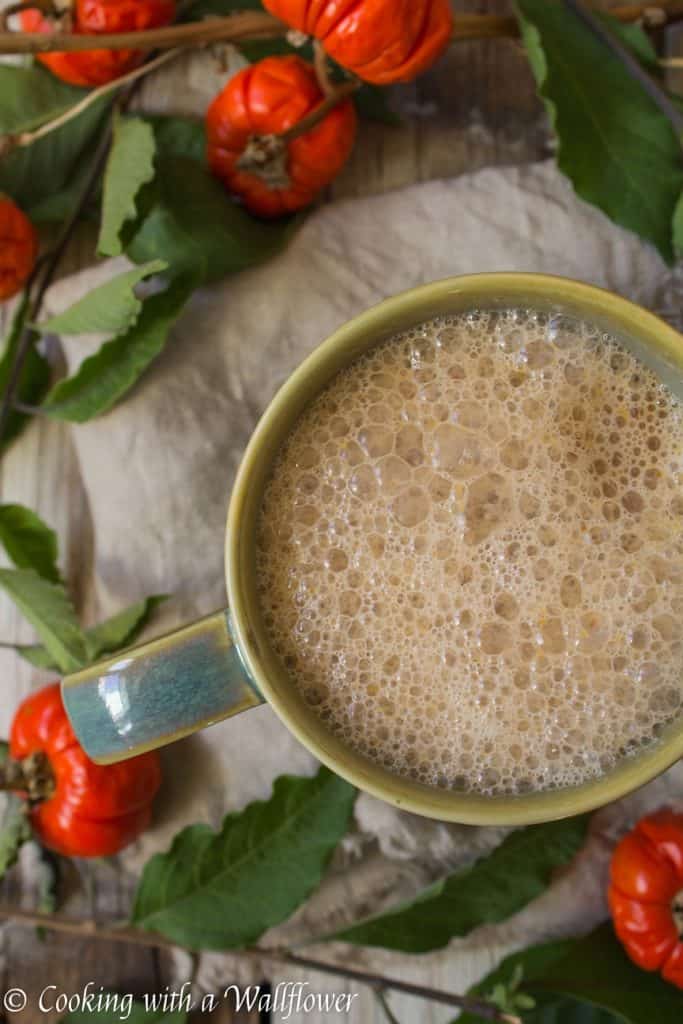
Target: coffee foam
470	553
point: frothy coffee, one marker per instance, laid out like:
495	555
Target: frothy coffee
470	553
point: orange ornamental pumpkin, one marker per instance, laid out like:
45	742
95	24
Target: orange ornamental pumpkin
263	101
380	41
95	67
18	248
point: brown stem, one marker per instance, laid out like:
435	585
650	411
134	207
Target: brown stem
248	25
9	142
90	929
266	155
333	99
322	69
257	25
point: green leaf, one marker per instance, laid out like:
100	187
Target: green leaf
105	377
48	870
569	1011
122	1007
179	136
47	607
35	375
28	541
122	629
35	654
15	828
372	104
111	307
636	40
493	889
30	96
223	890
58	205
130	166
678	225
112	635
533	962
32	174
596	970
196	227
619	151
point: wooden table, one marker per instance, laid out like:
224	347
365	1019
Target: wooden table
477	107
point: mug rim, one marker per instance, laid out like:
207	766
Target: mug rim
347	342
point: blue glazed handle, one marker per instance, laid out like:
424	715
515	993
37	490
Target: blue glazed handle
153	694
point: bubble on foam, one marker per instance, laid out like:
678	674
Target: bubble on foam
470	556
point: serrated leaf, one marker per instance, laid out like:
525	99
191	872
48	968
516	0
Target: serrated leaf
619	151
564	1010
32	174
35	654
113	306
30	96
122	629
636	39
112	635
47	869
105	377
179	136
533	962
47	607
29	542
34	379
493	889
130	166
135	1013
223	890
197	228
595	970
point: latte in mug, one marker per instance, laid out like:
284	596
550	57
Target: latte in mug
470	553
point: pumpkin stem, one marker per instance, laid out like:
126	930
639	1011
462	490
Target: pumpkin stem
266	155
32	776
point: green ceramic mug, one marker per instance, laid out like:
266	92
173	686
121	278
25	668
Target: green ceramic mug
221	665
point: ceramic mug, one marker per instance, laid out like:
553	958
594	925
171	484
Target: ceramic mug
223	664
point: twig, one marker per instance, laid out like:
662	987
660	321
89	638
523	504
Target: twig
44	278
89	929
26	138
479	1007
322	68
654	91
332	99
383	1002
248	25
256	25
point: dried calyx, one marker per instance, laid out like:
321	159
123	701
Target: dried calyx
32	776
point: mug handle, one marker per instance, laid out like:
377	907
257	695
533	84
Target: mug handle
153	694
